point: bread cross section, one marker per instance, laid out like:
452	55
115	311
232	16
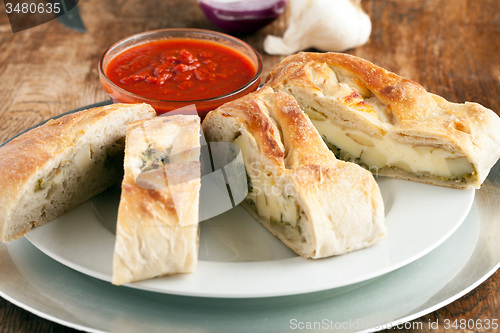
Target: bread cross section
390	125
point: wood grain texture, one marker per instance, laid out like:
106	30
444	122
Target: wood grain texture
451	47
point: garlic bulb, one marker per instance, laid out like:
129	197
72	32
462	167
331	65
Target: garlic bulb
328	25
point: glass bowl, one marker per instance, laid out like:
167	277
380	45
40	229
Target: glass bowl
203	106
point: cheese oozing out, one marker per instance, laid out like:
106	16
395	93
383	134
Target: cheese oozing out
376	153
269	199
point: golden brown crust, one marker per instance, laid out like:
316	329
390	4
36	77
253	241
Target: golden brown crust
143	200
406	112
257	123
407	99
301	140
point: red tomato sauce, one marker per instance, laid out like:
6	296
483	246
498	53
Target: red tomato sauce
180	70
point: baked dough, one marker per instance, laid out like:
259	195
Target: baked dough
390	125
317	205
157	227
56	166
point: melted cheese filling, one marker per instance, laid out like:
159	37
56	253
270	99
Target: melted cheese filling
377	153
270	200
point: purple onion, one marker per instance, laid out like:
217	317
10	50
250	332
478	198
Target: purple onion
242	16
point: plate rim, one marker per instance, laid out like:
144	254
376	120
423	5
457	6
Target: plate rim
150	284
443	301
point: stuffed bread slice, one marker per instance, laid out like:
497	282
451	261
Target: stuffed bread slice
157	227
60	164
317	205
390	125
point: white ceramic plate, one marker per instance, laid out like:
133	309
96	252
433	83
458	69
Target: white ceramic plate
240	259
41	285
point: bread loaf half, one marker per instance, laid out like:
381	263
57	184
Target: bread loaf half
317	205
388	124
60	164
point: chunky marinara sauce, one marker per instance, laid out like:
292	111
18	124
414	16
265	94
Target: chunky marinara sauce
180	70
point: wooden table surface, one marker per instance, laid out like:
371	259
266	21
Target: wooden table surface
451	47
